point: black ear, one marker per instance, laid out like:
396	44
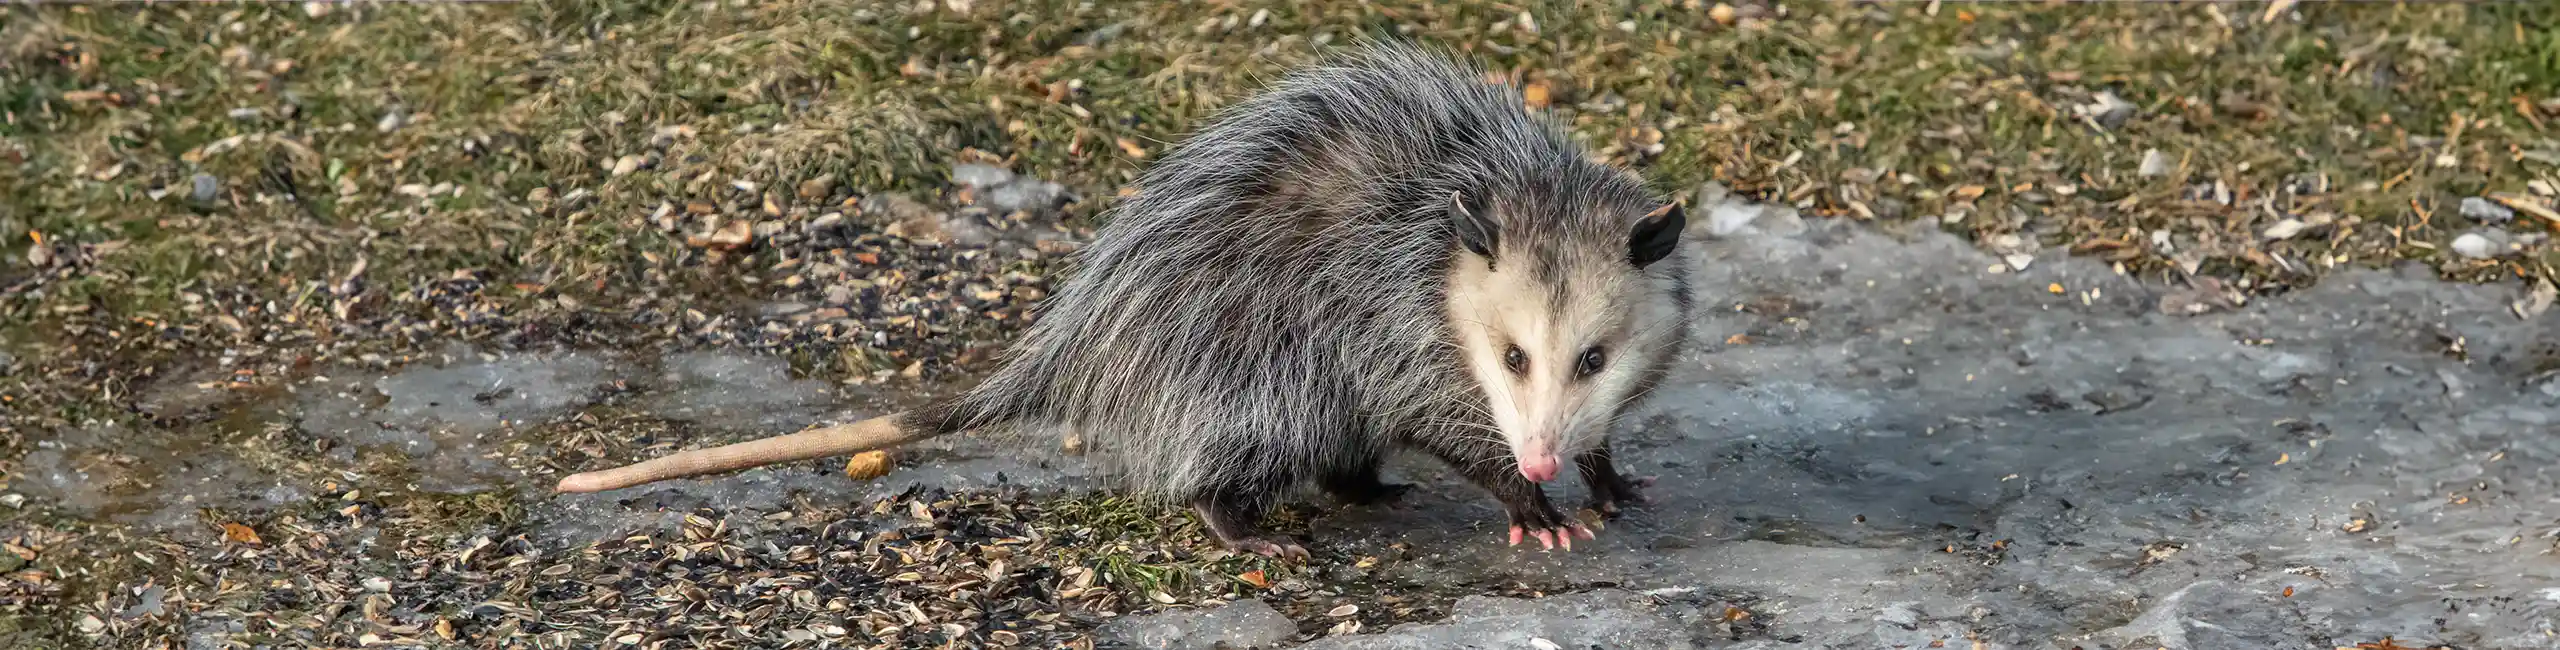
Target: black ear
1475	232
1656	235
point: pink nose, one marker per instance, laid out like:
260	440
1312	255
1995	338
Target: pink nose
1539	468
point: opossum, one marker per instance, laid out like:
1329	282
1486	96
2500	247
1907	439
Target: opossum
1381	251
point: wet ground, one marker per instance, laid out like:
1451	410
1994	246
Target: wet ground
1875	442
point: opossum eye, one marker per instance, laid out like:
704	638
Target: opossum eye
1589	364
1516	359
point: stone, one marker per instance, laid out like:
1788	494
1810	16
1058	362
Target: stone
1240	625
980	176
1607	618
2486	211
2479	246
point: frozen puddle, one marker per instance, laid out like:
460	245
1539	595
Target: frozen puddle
153	482
452	420
468	422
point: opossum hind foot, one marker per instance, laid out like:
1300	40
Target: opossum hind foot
1608	497
1237	532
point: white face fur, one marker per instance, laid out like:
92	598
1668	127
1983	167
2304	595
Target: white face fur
1557	350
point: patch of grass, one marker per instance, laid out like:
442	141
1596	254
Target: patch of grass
1861	110
1144	548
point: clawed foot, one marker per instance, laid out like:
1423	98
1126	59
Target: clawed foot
1609	496
1267	548
1235	531
1549	527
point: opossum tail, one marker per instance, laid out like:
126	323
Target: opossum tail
840	440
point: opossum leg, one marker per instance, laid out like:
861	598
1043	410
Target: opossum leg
1360	486
1232	521
1609	489
1491	467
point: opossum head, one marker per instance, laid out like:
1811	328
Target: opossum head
1558	315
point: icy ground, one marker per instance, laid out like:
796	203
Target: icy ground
1875	442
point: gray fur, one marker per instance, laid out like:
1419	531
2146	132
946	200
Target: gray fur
1268	309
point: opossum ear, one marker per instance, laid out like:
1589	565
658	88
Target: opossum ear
1474	230
1656	235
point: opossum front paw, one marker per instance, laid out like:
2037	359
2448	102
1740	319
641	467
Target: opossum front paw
1549	527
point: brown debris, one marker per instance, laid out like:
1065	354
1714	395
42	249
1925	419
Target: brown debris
2203	294
868	465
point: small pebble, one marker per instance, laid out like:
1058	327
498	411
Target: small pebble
2476	246
205	187
2154	163
2486	211
977	175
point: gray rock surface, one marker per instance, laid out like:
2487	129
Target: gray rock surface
1606	618
1891	444
1240	625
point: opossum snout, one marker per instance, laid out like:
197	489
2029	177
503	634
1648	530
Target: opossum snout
1539	467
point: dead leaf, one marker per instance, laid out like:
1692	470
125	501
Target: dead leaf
733	234
1722	13
241	533
1535	95
1131	146
1255	578
2274	9
1968	193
